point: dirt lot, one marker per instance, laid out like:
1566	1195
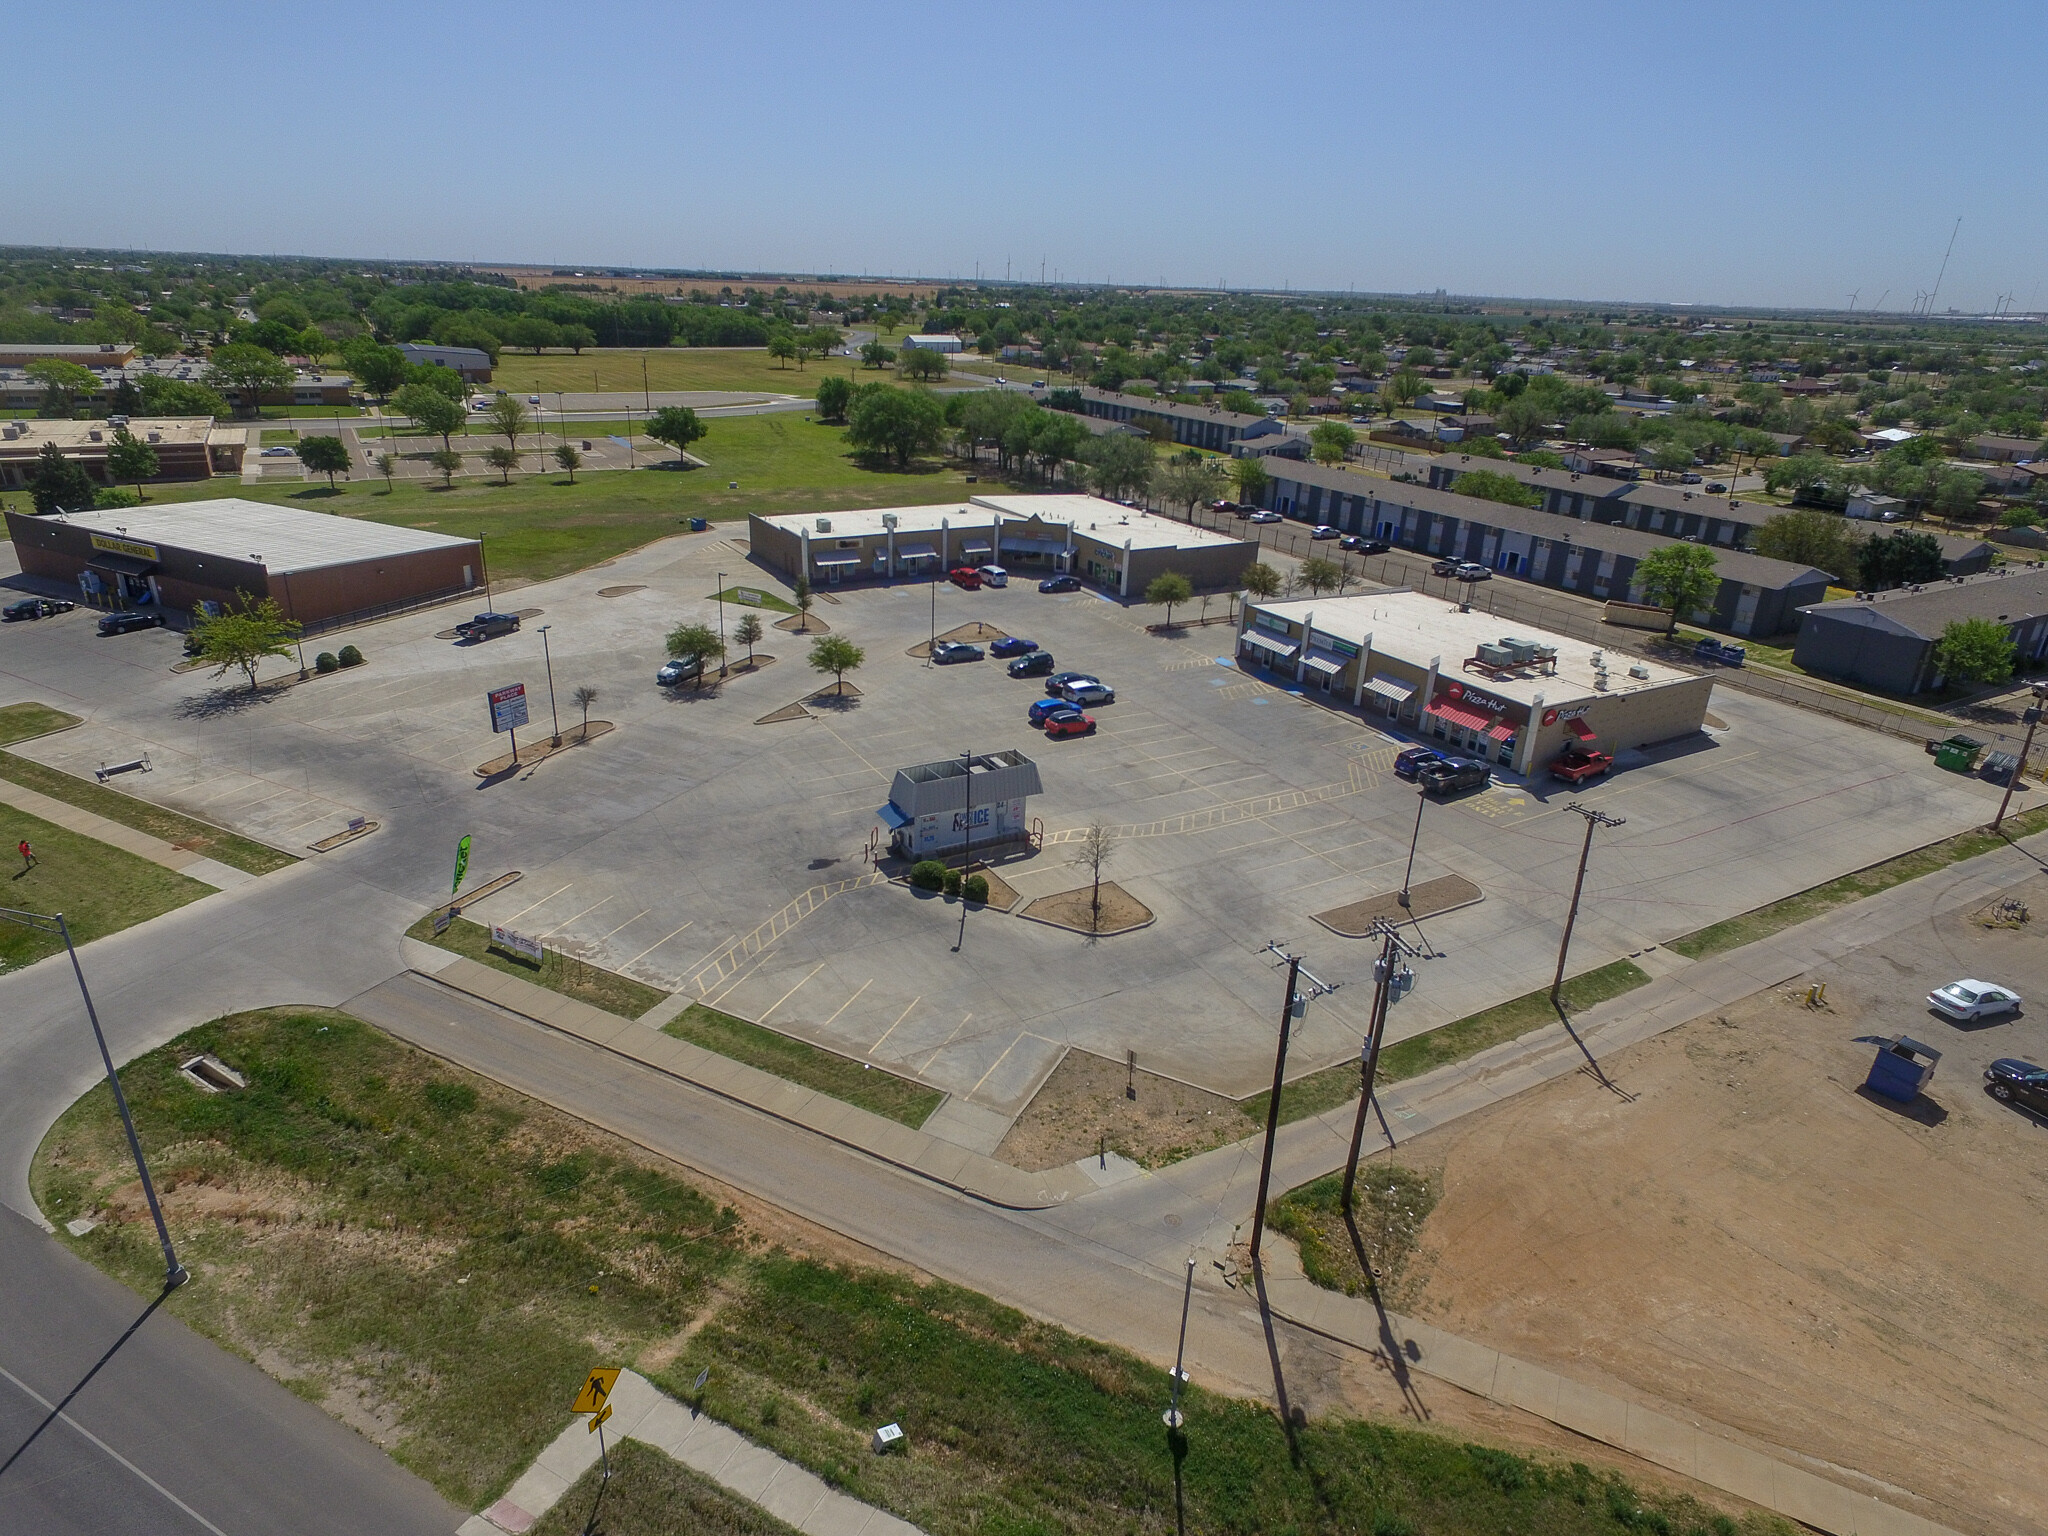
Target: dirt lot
1736	1228
1084	1100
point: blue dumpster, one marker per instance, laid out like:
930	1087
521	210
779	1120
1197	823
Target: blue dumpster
699	524
1903	1067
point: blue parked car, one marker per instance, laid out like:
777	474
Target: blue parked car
1710	649
1012	645
1042	708
1060	584
1409	764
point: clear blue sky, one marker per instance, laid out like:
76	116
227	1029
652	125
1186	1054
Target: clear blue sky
1783	153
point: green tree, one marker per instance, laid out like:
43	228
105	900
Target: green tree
249	371
1260	580
836	654
1250	477
875	354
1242	402
503	460
448	461
834	395
386	463
379	369
430	410
922	364
131	459
1974	651
1167	589
1056	440
1119	465
126	399
1187	483
324	456
1525	419
533	332
1319	573
1491	485
901	423
1403	389
1807	472
748	633
676	425
584	696
1331	441
1672	455
442	379
782	346
240	636
1541	458
570	459
58	484
698	643
1956	492
64	384
577	337
800	594
178	397
1823	540
1681	577
508	417
1899	559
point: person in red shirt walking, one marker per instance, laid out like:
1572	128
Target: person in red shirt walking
28	856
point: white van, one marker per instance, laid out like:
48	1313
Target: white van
994	576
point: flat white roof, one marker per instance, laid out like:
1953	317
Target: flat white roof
283	538
1091	515
1414	627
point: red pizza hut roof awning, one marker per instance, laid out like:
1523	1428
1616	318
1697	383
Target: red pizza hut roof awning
1580	729
1469	716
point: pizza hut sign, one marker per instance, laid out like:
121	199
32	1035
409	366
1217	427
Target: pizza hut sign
1459	692
1552	716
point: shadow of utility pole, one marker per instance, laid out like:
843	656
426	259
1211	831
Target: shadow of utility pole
1592	1067
57	1411
1391	1349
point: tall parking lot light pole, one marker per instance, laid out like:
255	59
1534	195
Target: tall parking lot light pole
1593	819
721	624
174	1272
548	657
1421	799
2033	718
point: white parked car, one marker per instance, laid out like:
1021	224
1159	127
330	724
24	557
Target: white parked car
1265	517
1966	1001
994	576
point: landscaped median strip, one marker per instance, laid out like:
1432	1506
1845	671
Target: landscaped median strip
913	1150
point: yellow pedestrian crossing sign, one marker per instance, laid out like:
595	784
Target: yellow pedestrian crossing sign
597	1388
598	1418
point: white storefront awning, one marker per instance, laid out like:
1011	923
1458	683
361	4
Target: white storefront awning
837	557
1391	689
1324	662
916	552
1284	649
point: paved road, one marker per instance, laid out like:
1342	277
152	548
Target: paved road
170	1436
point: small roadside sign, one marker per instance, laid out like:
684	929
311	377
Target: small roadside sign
598	1418
518	943
750	596
597	1387
508	707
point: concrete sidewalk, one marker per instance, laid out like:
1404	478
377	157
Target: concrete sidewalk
917	1151
641	1412
220	876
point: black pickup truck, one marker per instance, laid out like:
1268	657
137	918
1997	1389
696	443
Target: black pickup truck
485	625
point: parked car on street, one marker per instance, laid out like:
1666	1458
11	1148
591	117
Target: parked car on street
994	576
1069	722
1060	584
486	625
1968	1000
35	608
1409	764
125	623
1088	691
1323	531
682	670
2012	1081
1352	541
946	652
1471	570
1453	775
1575	765
1043	709
1037	664
1265	517
966	577
1012	645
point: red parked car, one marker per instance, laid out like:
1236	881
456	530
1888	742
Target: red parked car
1578	764
965	576
1069	722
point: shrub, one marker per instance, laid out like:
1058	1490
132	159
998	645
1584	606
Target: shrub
975	888
930	875
325	662
351	657
952	882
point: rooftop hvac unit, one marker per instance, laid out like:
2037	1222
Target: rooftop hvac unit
824	525
1639	673
1497	656
1521	650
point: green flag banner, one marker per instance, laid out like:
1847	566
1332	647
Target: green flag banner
461	863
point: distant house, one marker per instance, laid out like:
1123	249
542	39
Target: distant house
1614	463
1456	429
1878	509
1888	437
2005	450
1886	641
473	363
1788	443
1281	445
1808	388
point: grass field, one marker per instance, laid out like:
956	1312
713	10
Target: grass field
19	722
539	526
605	371
837	1076
99	889
440	1259
557	972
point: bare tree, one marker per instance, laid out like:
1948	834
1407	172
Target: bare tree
1094	851
584	696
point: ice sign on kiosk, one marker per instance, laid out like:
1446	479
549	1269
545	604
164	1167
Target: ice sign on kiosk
508	707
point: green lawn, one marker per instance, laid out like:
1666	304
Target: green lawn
829	1073
617	370
19	722
99	889
392	1233
768	599
1462	1038
557	972
540	527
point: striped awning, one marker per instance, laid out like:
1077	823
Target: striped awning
1471	718
1580	729
1325	663
1284	649
1501	732
1391	689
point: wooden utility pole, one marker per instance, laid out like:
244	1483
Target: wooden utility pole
1273	1107
1593	819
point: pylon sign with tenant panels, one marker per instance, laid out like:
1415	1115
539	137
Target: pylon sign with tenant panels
508	707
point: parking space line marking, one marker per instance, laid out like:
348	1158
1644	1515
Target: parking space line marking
565	922
997	1063
899	1019
629	922
741	980
849	1002
792	992
650	949
722	962
944	1043
551	895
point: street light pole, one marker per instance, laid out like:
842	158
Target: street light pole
548	657
174	1273
721	624
1593	819
1180	1351
2033	718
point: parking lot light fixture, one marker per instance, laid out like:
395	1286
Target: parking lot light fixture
547	656
721	624
1408	874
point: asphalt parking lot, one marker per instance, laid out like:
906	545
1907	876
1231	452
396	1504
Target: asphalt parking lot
705	853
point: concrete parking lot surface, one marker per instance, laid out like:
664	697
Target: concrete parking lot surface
701	852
